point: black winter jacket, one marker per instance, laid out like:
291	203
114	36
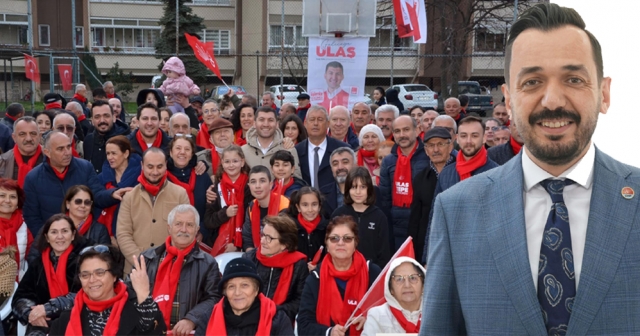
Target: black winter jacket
307	318
271	276
94	144
373	232
198	283
310	243
424	187
392	98
215	215
246	324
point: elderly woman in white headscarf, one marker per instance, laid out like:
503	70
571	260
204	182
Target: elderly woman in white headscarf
370	137
403	292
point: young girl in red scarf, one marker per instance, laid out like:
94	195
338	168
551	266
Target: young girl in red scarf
304	209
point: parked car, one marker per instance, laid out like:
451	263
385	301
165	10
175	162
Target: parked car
416	95
289	93
480	101
219	91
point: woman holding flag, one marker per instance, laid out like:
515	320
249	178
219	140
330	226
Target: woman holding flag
334	289
283	270
304	209
403	292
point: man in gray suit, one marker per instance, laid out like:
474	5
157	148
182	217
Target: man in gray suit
513	265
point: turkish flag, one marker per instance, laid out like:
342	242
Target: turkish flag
204	53
31	68
411	19
375	295
65	72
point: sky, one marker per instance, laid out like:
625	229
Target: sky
614	23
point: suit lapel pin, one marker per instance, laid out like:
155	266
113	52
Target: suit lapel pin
628	193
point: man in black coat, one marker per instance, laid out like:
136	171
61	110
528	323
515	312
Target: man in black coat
304	103
12	113
107	126
149	130
439	149
502	153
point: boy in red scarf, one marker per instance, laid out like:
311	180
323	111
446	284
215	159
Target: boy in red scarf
283	165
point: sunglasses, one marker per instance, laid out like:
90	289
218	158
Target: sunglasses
346	239
98	248
79	201
69	128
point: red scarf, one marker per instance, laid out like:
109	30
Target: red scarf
274	208
80	98
229	189
8	230
10	117
309	226
238	139
73	149
363	153
143	145
25	167
402	188
53	106
353	128
113	323
203	139
82	117
421	135
56	279
86	225
106	217
333	307
59	174
217	325
150	188
408	327
167	278
303	108
515	146
458	117
508	123
189	187
465	168
284	186
215	160
284	260
111	95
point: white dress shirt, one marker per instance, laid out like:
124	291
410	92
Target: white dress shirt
321	151
537	204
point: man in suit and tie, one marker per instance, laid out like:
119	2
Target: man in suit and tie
512	264
315	151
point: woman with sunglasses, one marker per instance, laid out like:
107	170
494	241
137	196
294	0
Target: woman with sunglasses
341	280
105	305
42	292
283	269
78	205
181	170
403	292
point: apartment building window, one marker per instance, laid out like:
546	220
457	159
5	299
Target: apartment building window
382	40
292	36
489	40
79	37
43	34
221	40
189	2
128	35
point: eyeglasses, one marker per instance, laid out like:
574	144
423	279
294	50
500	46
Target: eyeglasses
439	145
413	278
98	273
98	248
211	111
346	239
182	135
79	201
69	128
267	238
496	128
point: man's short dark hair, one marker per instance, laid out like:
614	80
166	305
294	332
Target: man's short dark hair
98	103
288	108
265	109
14	109
284	156
464	100
334	64
99	93
547	17
260	169
471	119
148	105
499	104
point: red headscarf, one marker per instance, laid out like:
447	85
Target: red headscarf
56	278
113	323
465	168
402	188
217	325
284	260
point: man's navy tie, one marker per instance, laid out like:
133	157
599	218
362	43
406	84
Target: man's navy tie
556	277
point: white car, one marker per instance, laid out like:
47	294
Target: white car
289	94
416	95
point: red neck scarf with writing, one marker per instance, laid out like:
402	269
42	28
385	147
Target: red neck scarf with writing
402	188
80	98
8	230
86	225
189	187
217	325
113	323
309	226
25	167
203	139
229	189
56	278
274	200
284	260
53	106
150	188
60	175
73	149
465	168
168	276
515	146
239	139
143	144
408	327
332	307
106	217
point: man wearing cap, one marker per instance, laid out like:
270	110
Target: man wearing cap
196	104
54	100
304	103
439	148
106	127
221	135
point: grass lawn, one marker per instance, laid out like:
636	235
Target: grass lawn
130	107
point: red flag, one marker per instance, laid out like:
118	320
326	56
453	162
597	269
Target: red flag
65	71
316	257
31	68
411	19
204	53
375	295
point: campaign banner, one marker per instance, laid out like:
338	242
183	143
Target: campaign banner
337	69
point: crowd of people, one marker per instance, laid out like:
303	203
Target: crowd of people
115	227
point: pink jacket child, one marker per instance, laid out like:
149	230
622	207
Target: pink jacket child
177	82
